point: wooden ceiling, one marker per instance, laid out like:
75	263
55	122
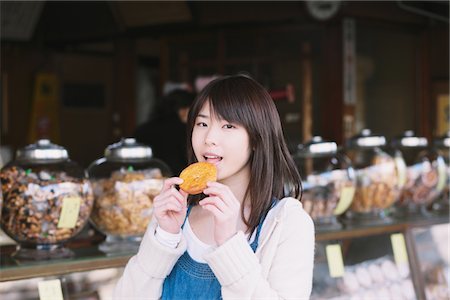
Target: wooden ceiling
93	21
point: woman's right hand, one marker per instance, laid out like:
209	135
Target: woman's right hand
170	206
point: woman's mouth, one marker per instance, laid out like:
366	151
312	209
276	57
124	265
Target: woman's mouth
213	159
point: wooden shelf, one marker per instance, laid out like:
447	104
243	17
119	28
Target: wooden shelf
350	232
84	259
88	258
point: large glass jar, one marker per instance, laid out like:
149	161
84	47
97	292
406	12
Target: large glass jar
425	169
328	181
441	204
125	182
378	186
47	200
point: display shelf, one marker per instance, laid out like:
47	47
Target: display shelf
84	259
396	225
404	226
87	257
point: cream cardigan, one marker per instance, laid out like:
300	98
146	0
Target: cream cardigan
281	268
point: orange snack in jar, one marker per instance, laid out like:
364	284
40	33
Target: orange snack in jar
196	175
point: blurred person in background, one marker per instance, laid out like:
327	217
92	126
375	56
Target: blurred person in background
165	133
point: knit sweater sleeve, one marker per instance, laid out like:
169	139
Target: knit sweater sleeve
239	271
145	272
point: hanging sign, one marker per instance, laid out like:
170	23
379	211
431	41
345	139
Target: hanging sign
349	69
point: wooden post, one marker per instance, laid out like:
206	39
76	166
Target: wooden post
307	114
332	102
423	108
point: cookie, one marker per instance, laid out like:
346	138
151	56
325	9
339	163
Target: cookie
196	176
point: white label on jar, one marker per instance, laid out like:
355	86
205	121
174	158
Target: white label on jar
345	199
69	212
442	175
335	261
50	290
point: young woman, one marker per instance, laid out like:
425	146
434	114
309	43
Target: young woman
247	236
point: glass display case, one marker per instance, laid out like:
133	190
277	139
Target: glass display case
425	173
47	200
125	182
378	186
328	181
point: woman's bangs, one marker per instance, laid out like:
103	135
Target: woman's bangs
225	106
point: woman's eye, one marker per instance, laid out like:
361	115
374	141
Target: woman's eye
228	126
201	124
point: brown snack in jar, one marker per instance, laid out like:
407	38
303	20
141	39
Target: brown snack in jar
32	206
380	188
196	175
124	202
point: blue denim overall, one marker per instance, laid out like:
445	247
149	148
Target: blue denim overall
190	279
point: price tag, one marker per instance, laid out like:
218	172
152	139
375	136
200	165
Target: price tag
345	199
399	248
69	212
442	175
335	261
50	290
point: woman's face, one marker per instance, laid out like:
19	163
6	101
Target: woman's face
224	144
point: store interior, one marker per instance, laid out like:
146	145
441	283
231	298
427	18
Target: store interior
361	87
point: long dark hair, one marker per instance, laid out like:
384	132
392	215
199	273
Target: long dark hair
240	99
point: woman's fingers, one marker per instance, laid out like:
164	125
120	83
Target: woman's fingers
214	210
172	192
215	201
223	192
170	182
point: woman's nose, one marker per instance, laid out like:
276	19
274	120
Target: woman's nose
211	136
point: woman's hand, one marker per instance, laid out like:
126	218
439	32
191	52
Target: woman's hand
222	203
170	206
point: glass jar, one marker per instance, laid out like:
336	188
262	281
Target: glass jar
47	200
125	182
425	168
442	146
378	186
328	181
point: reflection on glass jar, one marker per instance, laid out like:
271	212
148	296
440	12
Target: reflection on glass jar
378	186
125	182
328	181
425	169
442	146
47	200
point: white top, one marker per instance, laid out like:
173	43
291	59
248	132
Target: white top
281	267
195	247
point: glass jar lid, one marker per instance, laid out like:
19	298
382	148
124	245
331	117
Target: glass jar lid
317	147
365	139
128	149
443	141
42	151
409	140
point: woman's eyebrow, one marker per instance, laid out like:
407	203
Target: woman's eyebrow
200	115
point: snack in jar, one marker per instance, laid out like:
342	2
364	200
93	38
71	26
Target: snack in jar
425	173
378	186
125	182
47	200
442	146
328	181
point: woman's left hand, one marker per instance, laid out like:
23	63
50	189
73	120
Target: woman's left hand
222	203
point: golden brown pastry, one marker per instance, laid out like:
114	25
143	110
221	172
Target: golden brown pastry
196	176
